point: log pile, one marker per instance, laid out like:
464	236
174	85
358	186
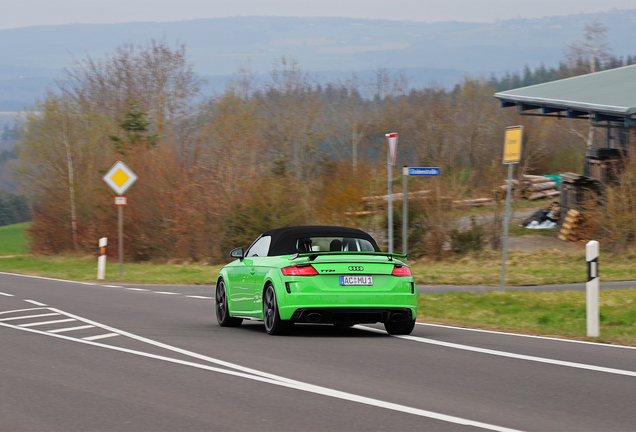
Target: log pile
424	194
570	228
533	187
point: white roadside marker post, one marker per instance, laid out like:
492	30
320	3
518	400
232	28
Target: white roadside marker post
592	288
101	261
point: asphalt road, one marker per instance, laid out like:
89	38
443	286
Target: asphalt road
79	357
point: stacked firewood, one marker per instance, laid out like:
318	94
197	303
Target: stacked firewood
571	226
532	187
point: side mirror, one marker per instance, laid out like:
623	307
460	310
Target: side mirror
237	253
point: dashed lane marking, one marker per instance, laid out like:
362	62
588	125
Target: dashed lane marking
97	285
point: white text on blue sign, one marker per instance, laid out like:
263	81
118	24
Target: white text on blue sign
431	172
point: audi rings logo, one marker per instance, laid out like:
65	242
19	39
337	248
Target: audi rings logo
356	268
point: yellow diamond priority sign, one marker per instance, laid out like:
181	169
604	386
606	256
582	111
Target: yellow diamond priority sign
120	178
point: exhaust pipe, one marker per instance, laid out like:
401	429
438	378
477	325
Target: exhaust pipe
398	316
313	317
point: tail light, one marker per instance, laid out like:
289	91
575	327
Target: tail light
299	270
401	271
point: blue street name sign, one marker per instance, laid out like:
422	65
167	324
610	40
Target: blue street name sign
424	171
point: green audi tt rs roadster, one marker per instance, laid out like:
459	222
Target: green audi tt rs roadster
316	274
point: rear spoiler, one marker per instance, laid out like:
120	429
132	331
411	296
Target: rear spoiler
313	255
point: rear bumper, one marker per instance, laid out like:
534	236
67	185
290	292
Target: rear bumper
351	315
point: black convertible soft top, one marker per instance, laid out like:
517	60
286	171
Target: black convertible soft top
284	239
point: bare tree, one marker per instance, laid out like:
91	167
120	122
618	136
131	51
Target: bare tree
587	56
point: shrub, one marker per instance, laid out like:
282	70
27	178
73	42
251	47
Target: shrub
470	239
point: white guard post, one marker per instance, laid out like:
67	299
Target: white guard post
101	261
592	288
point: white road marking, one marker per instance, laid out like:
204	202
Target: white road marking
528	336
165	292
101	336
47	322
23	310
200	297
35	303
113	286
68	329
137	289
38	277
28	316
508	354
264	377
7	295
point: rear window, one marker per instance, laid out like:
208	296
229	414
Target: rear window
333	244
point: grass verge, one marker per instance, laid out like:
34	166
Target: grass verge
12	239
547	267
478	268
560	314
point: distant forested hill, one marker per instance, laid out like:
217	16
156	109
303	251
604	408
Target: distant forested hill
444	52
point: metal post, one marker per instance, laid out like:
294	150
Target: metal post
405	211
592	288
121	240
390	174
506	223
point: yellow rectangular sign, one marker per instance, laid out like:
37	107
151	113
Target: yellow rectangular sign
512	144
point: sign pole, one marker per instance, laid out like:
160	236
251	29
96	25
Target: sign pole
511	155
406	172
390	176
405	210
392	140
505	236
120	178
121	239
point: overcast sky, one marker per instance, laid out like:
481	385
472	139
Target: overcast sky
23	13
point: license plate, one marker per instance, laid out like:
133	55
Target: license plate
356	280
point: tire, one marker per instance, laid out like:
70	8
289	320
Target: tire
222	309
399	328
273	324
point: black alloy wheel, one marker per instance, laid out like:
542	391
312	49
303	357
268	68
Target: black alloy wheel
222	309
273	324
